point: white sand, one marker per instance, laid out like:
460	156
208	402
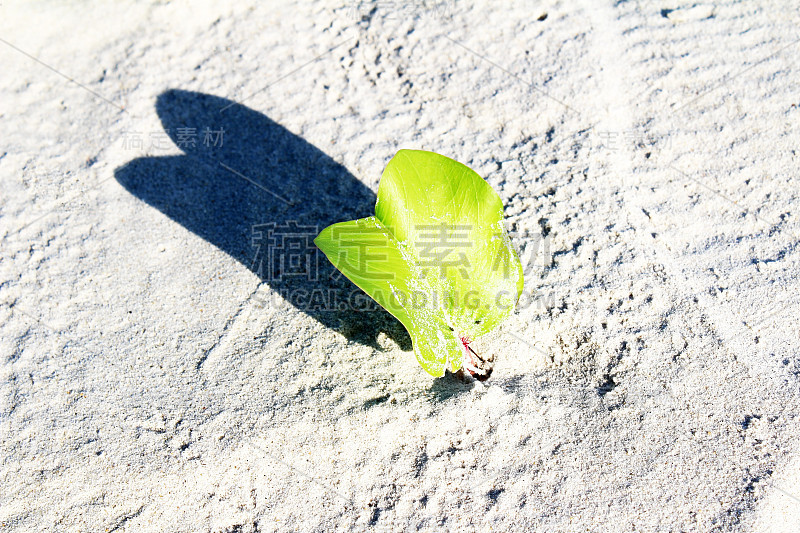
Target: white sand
653	386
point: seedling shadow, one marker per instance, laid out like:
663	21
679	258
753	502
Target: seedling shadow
451	385
244	184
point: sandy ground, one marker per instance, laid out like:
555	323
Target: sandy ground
157	376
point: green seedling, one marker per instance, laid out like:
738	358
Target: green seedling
436	255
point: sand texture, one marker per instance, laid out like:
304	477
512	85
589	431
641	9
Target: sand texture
156	375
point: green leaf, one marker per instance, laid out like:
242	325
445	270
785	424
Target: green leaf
436	255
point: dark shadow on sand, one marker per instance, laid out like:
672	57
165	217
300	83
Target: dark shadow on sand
229	188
